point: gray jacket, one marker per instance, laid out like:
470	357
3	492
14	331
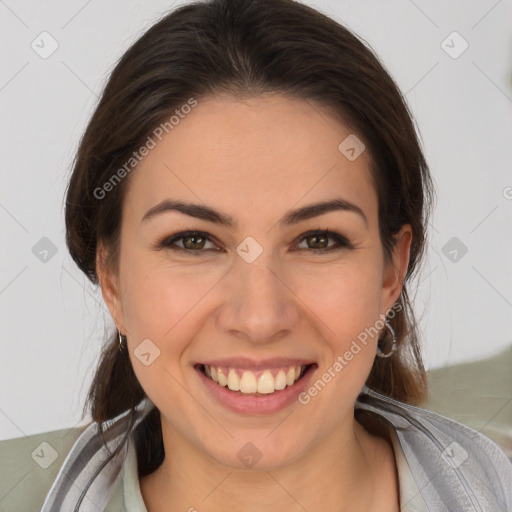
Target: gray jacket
456	468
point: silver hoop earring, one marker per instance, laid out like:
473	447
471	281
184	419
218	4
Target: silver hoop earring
394	346
121	340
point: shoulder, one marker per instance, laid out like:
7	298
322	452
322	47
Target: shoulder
450	462
29	466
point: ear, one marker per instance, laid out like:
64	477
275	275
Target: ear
395	271
109	284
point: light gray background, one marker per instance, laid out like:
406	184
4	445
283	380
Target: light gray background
53	321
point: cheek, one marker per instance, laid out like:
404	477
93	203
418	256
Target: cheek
346	307
158	303
156	299
346	310
345	297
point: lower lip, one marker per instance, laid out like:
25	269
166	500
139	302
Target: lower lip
263	404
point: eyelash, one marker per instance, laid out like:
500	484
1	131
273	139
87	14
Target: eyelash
168	242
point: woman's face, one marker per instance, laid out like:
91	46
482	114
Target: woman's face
253	294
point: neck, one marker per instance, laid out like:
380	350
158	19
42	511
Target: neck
359	471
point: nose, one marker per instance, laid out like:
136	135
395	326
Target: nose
259	305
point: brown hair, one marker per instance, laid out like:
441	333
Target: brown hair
244	47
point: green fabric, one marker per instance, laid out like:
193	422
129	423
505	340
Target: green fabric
477	394
23	482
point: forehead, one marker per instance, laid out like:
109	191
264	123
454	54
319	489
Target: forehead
257	156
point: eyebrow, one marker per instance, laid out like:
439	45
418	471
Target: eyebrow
292	217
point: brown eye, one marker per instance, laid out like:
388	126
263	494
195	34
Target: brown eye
318	241
192	242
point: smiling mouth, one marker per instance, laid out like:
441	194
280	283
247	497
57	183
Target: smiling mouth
255	383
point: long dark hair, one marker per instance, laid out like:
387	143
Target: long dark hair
247	47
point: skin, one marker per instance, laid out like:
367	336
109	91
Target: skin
256	159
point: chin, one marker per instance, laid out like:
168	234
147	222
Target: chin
253	453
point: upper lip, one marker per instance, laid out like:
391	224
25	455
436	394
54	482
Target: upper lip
251	364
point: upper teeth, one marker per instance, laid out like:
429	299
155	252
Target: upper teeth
249	382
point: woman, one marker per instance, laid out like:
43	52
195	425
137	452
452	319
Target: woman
251	196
